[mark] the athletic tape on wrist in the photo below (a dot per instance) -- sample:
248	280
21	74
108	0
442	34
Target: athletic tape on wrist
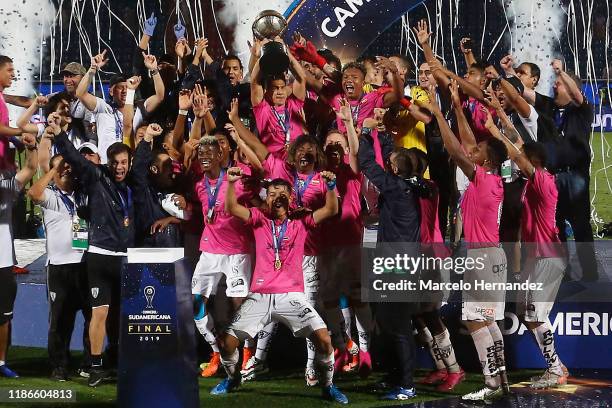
129	97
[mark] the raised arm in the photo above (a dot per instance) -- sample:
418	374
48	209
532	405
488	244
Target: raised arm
18	100
421	31
23	122
514	151
452	145
26	174
372	170
466	50
143	156
257	91
344	113
572	89
512	96
155	100
44	152
331	199
254	161
82	91
37	190
128	111
231	202
468	140
393	78
299	85
178	134
245	134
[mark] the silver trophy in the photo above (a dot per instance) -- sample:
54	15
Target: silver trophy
149	292
270	24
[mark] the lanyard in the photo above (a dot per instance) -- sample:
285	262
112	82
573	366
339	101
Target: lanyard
284	124
355	109
212	194
125	207
301	185
118	124
67	201
277	240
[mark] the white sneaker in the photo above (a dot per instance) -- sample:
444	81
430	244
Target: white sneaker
483	394
311	376
548	380
254	368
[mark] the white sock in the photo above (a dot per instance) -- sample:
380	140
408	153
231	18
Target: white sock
498	341
206	327
310	354
230	363
333	317
346	313
486	354
2	362
447	353
544	336
433	349
264	339
325	362
365	325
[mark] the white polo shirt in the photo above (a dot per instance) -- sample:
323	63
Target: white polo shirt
57	219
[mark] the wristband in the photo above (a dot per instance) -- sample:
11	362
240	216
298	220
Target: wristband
129	97
154	72
183	112
331	185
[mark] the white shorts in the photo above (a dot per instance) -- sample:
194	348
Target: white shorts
210	267
480	305
536	305
312	277
291	309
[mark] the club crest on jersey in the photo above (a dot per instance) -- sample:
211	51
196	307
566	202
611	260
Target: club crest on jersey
94	292
52	296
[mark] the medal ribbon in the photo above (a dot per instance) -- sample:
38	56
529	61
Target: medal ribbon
212	195
296	184
284	125
125	206
277	241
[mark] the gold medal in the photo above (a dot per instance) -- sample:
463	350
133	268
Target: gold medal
126	222
277	264
210	216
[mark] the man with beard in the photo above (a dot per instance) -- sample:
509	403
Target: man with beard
67	287
153	181
109	115
111	233
301	169
225	244
278	285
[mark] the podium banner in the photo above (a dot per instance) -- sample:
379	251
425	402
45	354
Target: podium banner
157	357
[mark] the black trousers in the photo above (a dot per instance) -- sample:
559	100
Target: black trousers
574	206
396	341
68	292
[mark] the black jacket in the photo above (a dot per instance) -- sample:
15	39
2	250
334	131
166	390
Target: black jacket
148	200
398	201
106	218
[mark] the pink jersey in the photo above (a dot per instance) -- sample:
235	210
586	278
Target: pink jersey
478	118
226	235
538	219
346	228
481	209
313	196
432	242
290	277
272	121
361	109
7	158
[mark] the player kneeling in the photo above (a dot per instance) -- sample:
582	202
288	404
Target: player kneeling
277	288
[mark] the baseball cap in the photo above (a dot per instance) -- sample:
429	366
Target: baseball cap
89	146
115	79
73	68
